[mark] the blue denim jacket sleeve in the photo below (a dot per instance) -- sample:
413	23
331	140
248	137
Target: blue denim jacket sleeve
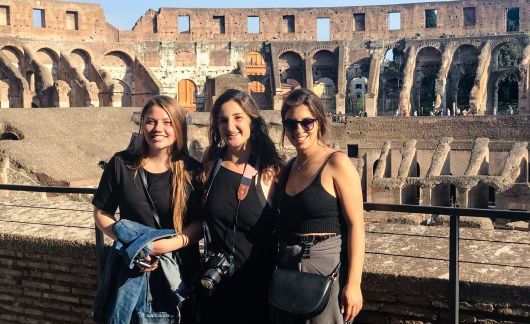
135	239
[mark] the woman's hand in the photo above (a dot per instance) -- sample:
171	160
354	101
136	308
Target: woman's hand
351	301
152	261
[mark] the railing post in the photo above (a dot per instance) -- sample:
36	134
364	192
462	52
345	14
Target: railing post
100	251
454	291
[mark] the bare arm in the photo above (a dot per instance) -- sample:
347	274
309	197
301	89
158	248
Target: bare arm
348	188
104	222
190	234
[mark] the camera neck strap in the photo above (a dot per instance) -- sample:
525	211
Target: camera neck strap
242	192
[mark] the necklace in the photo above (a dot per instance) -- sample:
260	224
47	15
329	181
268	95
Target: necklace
299	166
237	164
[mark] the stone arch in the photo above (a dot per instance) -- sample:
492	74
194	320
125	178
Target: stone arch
118	66
324	65
187	94
184	58
390	81
462	74
259	85
291	70
120	93
117	59
356	85
14	56
50	59
428	63
506	95
506	55
81	59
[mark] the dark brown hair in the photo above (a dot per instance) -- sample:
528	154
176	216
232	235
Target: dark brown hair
310	100
269	160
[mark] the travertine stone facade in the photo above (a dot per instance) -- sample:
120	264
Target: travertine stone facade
457	54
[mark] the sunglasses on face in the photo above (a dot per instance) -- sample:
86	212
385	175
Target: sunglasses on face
291	125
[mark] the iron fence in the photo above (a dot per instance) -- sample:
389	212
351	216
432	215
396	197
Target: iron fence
454	229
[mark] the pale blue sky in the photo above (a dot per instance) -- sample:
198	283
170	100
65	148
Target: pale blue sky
122	14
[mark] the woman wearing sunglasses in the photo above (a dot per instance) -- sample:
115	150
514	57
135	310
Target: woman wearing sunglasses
321	226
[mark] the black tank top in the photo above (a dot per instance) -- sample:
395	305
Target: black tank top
255	223
313	210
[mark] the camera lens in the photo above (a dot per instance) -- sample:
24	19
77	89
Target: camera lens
210	279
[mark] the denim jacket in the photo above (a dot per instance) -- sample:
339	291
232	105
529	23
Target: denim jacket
123	288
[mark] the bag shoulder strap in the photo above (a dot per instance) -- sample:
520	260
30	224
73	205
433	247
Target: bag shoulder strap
143	177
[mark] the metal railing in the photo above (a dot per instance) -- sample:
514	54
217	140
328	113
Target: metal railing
454	229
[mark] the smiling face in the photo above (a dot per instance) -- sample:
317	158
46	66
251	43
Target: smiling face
158	130
234	125
304	135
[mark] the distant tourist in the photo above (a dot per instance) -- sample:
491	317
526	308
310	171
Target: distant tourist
321	226
152	185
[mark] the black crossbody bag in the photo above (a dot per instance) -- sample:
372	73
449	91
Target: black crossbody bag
296	292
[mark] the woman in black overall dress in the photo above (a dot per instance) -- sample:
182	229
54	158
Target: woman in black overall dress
321	212
238	139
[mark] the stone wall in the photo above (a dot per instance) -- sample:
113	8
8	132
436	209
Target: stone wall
95	64
49	269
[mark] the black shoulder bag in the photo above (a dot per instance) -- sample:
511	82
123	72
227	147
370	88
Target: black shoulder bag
296	292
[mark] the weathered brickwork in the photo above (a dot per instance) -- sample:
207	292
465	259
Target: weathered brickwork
471	55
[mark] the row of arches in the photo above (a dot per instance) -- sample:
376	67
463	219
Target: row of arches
45	78
503	83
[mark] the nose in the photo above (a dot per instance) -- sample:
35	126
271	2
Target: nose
230	125
159	126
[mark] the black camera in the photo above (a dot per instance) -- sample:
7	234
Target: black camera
217	266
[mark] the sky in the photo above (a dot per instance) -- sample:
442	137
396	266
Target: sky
122	14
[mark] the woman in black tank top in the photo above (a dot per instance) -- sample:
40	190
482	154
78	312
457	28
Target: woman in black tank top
239	228
321	224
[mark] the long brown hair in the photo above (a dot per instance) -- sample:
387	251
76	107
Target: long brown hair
269	161
178	153
308	98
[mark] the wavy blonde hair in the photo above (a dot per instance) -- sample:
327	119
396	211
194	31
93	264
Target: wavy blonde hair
178	153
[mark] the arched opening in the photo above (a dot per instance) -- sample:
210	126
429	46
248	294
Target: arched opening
508	94
119	66
325	89
291	69
50	60
9	136
14	56
442	195
324	65
357	86
428	62
462	75
390	81
81	61
464	87
478	196
256	70
427	96
187	94
389	97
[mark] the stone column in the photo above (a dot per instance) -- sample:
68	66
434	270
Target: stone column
308	72
276	83
4	165
340	97
425	196
63	94
440	99
462	197
372	91
408	79
478	97
524	90
93	94
4	94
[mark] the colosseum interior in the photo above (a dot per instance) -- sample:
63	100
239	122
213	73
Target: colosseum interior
439	58
412	58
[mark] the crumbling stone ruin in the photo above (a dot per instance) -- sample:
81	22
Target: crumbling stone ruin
429	58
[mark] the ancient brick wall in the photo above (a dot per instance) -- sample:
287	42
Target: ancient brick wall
46	281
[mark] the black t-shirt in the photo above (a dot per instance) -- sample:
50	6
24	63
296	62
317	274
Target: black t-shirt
121	186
